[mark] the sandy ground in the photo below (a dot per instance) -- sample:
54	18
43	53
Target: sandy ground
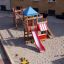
15	44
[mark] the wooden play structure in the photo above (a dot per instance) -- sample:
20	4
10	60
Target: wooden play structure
33	22
17	16
35	26
29	21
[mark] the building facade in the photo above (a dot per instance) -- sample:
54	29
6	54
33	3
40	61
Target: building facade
42	6
5	5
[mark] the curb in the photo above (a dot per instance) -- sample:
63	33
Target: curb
6	51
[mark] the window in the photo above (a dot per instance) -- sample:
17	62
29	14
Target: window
2	7
51	0
18	7
51	12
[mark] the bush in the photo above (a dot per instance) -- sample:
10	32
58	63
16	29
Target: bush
32	41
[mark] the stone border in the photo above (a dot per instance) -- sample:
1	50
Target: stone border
6	51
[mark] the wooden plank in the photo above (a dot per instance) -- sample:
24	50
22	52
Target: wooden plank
33	18
50	34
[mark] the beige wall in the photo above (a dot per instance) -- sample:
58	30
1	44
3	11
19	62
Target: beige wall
59	6
43	6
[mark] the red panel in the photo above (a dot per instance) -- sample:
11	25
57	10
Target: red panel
38	28
43	36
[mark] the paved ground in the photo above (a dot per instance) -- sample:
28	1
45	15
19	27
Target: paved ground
56	26
15	44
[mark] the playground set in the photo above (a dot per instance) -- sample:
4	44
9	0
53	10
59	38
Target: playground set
35	25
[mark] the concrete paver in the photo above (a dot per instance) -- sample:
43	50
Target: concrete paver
56	26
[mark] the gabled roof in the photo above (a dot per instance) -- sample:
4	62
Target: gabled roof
30	12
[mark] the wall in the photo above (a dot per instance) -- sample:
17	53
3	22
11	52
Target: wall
6	3
59	6
43	6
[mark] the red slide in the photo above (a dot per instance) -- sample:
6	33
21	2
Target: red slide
37	42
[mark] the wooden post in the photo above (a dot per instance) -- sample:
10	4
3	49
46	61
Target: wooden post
24	32
33	21
27	28
37	19
13	15
16	23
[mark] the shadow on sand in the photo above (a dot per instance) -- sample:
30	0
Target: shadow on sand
19	42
